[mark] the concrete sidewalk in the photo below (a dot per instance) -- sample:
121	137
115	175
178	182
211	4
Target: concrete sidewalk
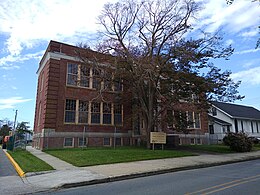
67	175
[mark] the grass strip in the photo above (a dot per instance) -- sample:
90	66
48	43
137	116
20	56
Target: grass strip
98	156
28	162
214	148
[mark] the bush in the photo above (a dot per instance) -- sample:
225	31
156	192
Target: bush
238	142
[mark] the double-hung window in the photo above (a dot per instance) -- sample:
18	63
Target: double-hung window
107	113
117	114
72	74
84	76
83	111
95	113
70	111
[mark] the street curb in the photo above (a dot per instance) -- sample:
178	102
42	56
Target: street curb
18	169
150	173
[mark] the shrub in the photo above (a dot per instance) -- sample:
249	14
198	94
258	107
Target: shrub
238	142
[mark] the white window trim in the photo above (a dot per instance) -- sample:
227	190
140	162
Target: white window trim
68	146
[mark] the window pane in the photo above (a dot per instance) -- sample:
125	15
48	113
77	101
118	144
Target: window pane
197	120
70	111
107	141
84	76
83	112
118	141
68	142
96	83
95	113
82	142
118	114
72	74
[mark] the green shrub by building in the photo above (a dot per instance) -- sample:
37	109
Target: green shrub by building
238	142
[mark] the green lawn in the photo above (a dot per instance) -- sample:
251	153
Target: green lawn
97	156
214	148
28	162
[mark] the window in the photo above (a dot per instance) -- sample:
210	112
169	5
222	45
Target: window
257	130
107	113
68	142
70	111
72	77
96	82
214	111
95	113
170	118
84	76
118	86
82	142
118	141
193	120
106	141
192	141
199	141
83	111
211	129
252	126
242	126
117	114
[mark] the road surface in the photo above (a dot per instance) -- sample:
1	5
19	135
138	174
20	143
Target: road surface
238	178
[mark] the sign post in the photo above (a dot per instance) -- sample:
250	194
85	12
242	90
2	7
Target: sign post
158	138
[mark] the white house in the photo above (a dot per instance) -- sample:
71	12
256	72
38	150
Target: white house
226	117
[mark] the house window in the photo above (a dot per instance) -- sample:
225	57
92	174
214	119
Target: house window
84	76
106	141
257	130
252	126
83	111
118	114
228	129
192	141
72	74
95	113
211	129
70	111
68	142
82	142
107	113
242	126
118	141
214	111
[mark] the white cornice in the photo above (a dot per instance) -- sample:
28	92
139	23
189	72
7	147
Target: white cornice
58	56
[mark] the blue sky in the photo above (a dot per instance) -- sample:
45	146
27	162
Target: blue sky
27	26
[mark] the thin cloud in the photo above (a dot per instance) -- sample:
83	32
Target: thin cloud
11	102
247	51
6	62
251	76
236	17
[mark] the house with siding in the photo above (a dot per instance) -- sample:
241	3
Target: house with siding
227	117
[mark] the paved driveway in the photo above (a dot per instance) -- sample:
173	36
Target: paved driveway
6	167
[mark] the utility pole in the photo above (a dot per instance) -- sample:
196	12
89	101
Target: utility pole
15	117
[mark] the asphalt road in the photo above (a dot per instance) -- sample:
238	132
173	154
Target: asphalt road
238	178
6	168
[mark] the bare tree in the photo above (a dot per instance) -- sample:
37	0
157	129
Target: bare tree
158	65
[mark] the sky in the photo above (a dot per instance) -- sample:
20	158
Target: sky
27	26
